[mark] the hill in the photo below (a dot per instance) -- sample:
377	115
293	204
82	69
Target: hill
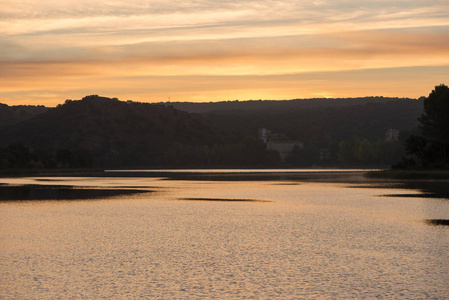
10	115
279	105
117	133
323	121
131	134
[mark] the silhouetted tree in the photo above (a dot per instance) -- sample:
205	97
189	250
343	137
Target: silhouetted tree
431	147
434	122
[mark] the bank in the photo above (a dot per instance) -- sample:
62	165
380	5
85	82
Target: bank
409	174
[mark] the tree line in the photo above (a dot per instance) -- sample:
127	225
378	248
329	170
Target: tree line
249	152
362	152
17	156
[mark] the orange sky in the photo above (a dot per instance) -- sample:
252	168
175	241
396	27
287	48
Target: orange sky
220	50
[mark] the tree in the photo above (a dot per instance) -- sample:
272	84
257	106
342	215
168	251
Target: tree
347	152
19	156
388	152
434	121
365	152
304	157
64	157
431	147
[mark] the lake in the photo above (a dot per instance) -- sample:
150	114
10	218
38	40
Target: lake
229	234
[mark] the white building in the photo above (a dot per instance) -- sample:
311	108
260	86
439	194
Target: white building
283	147
392	134
264	134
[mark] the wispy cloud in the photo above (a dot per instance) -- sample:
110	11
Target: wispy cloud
68	39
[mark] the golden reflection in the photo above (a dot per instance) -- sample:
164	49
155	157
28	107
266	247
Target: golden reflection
316	239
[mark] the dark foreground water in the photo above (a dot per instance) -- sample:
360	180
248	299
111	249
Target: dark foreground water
204	234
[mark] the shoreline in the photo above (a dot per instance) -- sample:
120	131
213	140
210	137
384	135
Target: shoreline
51	172
173	172
99	172
409	174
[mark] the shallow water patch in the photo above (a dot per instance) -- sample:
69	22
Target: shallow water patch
223	200
410	195
57	192
438	222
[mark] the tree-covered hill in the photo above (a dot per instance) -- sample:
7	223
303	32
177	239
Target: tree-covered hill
353	129
10	115
323	121
280	105
115	132
131	134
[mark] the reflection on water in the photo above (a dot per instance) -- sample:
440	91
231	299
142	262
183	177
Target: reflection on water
423	189
418	195
438	222
223	199
437	189
285	236
246	175
49	192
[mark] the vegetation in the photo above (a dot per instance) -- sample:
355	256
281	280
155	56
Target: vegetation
363	152
10	115
250	152
324	123
429	148
17	156
328	127
410	174
114	132
103	132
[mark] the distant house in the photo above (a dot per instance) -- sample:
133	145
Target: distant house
283	147
392	134
325	154
264	134
272	142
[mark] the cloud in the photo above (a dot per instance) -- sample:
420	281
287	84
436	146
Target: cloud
79	41
246	55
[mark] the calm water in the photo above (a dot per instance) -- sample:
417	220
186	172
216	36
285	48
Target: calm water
223	235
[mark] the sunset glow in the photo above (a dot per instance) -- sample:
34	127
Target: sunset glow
212	50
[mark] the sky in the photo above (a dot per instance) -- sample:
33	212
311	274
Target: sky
218	50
